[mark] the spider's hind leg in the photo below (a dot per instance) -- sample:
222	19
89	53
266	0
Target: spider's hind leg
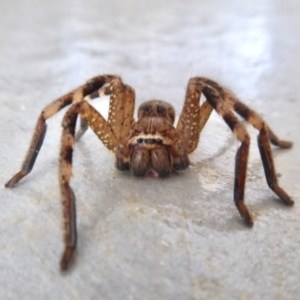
110	132
241	160
32	153
103	130
215	100
256	121
266	135
41	127
223	101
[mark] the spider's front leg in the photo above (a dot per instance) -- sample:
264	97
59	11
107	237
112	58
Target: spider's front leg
100	126
194	117
110	132
36	143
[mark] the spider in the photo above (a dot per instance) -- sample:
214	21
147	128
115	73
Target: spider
150	144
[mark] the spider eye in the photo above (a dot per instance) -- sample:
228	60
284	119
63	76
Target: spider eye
140	141
158	141
149	141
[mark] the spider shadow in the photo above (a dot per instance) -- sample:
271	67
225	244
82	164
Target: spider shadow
177	199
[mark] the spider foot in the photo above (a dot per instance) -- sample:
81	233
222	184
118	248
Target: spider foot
276	141
66	258
249	222
245	213
16	178
283	196
284	144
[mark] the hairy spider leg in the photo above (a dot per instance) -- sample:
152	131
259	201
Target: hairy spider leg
265	135
110	132
253	118
41	127
193	117
215	96
223	101
121	107
104	132
120	117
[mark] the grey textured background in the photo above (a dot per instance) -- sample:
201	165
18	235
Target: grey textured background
177	238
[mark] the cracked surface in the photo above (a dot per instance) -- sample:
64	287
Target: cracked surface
174	238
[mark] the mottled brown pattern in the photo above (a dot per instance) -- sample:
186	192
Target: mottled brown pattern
151	144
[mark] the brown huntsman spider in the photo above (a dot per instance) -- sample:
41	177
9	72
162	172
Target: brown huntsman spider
152	143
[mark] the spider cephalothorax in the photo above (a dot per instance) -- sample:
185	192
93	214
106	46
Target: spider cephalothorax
152	143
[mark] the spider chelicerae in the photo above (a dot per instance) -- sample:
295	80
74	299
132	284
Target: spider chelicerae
150	144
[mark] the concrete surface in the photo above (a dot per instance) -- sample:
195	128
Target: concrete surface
177	238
